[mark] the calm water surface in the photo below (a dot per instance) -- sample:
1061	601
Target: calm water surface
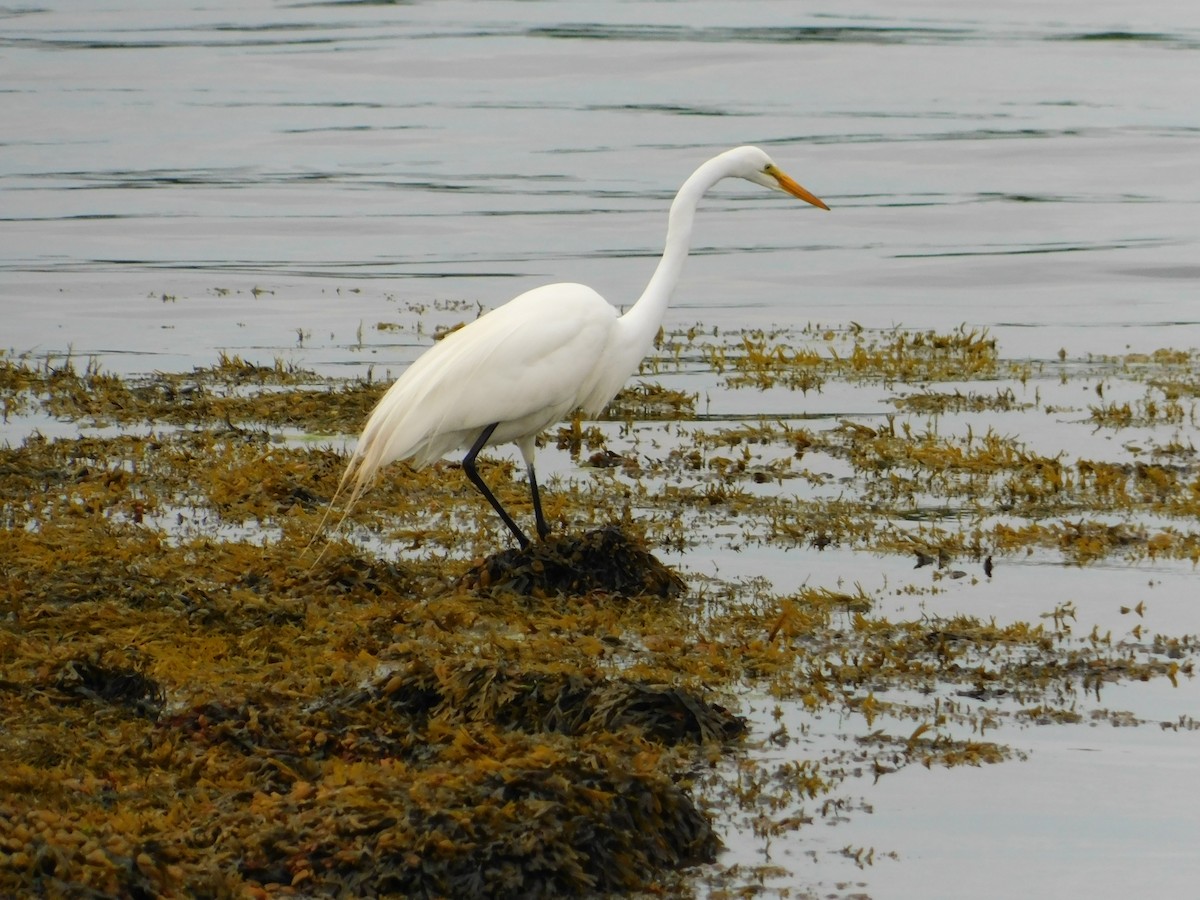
1033	165
181	179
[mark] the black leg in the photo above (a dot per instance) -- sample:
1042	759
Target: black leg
473	474
542	528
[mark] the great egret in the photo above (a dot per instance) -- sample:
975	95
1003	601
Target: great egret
525	365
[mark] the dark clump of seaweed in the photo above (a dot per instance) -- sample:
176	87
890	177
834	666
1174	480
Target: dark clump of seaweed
399	788
566	702
96	678
584	829
539	823
604	559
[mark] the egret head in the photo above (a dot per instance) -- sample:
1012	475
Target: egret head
754	165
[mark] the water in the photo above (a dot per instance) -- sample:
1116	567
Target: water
274	179
1031	165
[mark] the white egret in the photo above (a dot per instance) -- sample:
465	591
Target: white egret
525	365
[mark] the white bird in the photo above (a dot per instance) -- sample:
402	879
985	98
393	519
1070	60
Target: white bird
525	365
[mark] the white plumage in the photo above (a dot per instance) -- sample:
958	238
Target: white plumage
528	364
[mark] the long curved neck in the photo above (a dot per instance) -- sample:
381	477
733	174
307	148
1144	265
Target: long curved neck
642	321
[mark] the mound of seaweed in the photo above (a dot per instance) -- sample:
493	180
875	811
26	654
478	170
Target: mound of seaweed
604	559
460	781
533	701
538	823
97	678
486	815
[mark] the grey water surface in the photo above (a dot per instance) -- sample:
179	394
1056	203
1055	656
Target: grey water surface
1012	165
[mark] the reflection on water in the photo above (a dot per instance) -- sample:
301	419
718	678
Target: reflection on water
268	178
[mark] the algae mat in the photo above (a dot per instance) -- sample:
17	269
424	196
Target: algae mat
198	702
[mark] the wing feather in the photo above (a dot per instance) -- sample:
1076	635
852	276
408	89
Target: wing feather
525	364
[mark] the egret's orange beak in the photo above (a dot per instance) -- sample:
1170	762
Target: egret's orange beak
787	184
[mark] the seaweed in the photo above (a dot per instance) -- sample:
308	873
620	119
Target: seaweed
95	678
197	705
604	559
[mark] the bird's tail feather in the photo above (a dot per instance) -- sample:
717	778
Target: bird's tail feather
356	470
372	452
409	422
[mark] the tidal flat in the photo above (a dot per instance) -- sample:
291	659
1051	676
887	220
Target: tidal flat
752	615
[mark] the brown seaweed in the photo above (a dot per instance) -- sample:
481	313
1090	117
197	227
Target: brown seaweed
604	559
